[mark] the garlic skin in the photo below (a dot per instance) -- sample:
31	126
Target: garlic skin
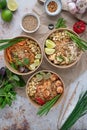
81	6
72	7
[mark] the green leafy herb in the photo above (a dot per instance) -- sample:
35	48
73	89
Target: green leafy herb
9	42
9	82
60	23
47	106
79	42
79	111
26	61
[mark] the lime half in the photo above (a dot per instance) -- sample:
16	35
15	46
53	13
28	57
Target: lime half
50	43
49	51
12	5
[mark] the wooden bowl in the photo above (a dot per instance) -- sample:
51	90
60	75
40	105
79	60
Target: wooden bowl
57	65
28	87
15	70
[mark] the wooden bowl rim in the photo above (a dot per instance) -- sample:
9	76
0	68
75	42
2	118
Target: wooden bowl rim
15	71
64	66
36	104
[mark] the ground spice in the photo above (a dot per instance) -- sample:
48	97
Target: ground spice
52	6
30	23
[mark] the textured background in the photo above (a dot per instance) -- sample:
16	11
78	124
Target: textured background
22	114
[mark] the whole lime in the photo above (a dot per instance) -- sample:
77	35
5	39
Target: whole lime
3	4
6	15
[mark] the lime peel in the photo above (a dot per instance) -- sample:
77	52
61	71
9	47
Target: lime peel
49	51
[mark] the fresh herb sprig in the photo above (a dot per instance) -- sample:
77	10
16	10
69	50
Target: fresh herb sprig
8	81
5	43
61	23
80	42
47	106
79	111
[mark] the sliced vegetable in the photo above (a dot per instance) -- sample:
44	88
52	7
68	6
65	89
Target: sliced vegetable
49	51
50	44
40	101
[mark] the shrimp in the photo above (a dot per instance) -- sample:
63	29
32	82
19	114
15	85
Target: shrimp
47	84
53	77
46	93
60	89
58	83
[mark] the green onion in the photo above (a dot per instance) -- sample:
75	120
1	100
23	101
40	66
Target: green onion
9	42
60	23
47	106
79	42
79	111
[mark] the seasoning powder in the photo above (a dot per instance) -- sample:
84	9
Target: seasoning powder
30	23
52	6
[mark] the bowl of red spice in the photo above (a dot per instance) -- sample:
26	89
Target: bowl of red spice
53	7
30	23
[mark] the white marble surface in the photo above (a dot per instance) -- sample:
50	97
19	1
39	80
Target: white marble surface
22	109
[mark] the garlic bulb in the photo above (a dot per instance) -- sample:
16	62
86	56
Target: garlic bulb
81	5
72	7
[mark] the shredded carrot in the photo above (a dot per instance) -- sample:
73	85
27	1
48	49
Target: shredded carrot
9	55
21	43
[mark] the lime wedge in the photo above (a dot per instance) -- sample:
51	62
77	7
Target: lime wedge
50	44
32	66
37	62
49	51
12	5
38	56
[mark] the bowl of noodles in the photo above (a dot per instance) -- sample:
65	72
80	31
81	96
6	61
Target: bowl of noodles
24	57
60	50
43	86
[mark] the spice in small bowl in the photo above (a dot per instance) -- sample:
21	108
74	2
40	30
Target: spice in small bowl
30	23
53	7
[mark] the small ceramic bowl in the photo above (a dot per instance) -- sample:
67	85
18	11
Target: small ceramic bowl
60	51
43	86
53	7
25	57
30	23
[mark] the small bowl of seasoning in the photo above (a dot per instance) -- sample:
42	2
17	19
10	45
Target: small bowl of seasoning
53	7
30	23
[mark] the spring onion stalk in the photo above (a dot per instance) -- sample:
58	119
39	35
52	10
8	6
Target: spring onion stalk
5	43
60	23
79	110
47	106
79	42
